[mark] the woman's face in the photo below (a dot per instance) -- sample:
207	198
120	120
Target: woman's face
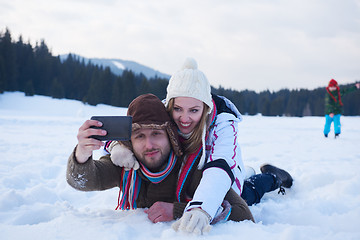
187	113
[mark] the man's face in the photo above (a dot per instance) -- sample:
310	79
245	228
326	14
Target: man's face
151	147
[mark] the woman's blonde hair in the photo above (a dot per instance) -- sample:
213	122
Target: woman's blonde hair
195	140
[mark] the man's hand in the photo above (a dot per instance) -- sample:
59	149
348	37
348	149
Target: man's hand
331	115
160	212
194	221
87	145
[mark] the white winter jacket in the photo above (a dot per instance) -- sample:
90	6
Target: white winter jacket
224	167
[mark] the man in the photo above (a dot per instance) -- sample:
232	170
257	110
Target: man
155	185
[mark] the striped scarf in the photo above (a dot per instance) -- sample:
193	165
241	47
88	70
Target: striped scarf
191	159
131	182
333	97
185	172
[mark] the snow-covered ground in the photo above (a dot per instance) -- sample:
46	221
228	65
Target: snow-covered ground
37	134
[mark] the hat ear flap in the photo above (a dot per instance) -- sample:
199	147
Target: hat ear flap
127	144
174	138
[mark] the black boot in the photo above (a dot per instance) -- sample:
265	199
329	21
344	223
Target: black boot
281	175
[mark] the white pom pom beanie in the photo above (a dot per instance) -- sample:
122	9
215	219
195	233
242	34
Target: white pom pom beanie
189	82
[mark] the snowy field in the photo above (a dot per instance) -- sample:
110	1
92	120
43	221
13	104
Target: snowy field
37	134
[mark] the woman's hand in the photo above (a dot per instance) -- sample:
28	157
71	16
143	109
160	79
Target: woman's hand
195	221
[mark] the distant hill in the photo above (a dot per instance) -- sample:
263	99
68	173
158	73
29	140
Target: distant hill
118	65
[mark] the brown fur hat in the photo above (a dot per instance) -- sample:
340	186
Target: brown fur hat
148	111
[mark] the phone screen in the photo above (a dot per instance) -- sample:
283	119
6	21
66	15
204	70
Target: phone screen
117	127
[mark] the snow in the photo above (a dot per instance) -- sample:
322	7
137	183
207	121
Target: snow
37	134
118	65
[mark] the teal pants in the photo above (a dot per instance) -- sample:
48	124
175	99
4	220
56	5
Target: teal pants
329	120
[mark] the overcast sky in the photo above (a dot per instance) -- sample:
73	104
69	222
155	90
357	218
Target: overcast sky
238	44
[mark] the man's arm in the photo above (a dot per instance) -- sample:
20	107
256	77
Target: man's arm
93	175
160	212
83	173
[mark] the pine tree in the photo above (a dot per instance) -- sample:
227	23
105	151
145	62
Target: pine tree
129	91
57	89
2	75
29	88
116	99
144	87
93	96
25	63
9	69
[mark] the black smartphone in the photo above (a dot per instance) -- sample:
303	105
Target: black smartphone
117	127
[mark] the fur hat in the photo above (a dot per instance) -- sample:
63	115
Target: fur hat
148	111
189	82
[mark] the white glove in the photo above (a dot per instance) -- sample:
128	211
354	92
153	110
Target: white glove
194	221
123	157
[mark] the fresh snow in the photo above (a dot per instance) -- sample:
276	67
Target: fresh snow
37	134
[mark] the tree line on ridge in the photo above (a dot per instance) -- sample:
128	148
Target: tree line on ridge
35	71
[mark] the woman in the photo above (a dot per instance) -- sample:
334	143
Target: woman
208	127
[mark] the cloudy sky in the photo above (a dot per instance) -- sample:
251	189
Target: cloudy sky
238	44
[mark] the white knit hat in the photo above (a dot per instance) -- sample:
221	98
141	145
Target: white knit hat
189	82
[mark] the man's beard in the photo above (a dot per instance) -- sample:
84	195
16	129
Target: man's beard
154	166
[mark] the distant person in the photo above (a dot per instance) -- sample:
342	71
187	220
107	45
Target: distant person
334	106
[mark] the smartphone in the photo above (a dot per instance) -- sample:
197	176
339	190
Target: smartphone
117	127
